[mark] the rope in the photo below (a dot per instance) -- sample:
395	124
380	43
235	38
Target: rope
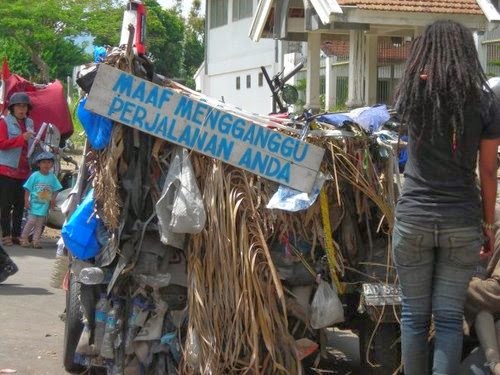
331	251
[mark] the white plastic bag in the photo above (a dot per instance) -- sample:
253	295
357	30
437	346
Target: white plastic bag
188	211
180	208
292	200
326	307
193	350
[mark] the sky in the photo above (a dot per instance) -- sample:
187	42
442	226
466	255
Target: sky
186	5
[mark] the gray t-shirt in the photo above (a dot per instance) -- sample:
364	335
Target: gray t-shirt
441	185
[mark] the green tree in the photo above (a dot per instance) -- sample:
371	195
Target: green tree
165	32
39	38
44	32
194	51
19	61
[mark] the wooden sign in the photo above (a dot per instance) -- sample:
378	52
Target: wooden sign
196	125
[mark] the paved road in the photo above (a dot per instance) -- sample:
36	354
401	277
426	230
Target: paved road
30	328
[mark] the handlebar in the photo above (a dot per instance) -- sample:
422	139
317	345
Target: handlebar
276	85
294	71
280	82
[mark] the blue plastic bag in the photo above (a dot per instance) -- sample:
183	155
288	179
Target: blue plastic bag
79	232
99	54
97	128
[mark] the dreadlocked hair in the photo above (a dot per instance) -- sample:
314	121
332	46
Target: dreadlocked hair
441	78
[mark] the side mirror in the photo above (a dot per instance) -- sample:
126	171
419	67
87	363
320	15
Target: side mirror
52	136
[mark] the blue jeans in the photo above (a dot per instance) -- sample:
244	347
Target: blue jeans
434	266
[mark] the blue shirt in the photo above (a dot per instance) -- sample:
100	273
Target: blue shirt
41	188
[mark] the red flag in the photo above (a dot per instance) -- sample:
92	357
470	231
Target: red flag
5	69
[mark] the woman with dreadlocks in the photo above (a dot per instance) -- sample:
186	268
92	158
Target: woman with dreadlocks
451	115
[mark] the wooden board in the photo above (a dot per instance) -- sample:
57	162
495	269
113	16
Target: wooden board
194	124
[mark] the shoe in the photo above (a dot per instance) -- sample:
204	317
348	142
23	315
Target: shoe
7	241
7	270
36	245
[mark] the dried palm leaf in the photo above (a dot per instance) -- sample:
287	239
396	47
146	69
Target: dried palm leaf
236	301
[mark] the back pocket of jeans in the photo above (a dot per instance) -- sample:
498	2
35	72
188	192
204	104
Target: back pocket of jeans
464	250
407	249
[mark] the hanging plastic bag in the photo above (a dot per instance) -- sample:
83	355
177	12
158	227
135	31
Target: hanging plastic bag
97	128
79	232
180	208
292	200
193	349
188	211
326	307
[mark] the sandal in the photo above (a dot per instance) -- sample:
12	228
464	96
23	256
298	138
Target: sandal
16	241
36	245
7	241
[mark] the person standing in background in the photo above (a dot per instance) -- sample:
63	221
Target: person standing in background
16	133
40	196
441	220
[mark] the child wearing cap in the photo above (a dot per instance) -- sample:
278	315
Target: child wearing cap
40	194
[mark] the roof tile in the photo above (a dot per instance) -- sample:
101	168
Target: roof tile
426	6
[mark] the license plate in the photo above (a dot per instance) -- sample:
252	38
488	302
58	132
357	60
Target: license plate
379	294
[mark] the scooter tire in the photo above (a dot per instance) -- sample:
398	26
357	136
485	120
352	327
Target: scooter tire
73	326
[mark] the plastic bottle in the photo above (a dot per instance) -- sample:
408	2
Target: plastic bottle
133	324
113	327
101	314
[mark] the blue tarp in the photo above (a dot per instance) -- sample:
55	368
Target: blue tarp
370	119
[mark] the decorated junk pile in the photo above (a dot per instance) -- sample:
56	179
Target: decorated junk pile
205	239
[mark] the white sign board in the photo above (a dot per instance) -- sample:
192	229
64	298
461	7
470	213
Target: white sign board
198	126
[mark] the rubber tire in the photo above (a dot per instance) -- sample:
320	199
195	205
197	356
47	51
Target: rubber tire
73	326
385	347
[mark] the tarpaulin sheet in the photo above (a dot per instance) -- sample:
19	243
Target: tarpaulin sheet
49	103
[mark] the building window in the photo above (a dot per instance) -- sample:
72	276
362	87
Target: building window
261	79
242	9
238	83
218	13
249	81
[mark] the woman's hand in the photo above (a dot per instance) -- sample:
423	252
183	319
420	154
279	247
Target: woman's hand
489	244
27	135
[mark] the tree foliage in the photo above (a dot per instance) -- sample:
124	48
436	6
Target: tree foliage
194	51
165	32
176	45
42	39
44	33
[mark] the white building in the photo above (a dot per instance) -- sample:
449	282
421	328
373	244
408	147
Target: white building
243	35
231	71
